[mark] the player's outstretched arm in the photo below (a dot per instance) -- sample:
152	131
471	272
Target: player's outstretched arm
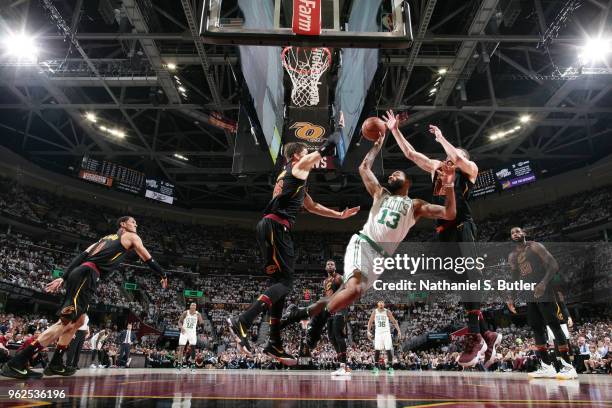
313	207
422	161
145	256
449	210
365	169
464	164
303	167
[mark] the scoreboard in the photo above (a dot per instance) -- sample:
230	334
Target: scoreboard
122	178
504	178
112	175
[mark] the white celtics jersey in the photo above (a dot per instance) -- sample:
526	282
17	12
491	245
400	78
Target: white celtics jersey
390	219
381	321
190	323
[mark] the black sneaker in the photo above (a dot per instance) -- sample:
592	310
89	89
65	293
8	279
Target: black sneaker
19	373
240	334
293	314
59	370
278	352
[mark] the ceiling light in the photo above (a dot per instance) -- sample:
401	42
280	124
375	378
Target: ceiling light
21	46
103	128
525	118
442	71
594	50
433	90
91	117
180	156
171	66
182	89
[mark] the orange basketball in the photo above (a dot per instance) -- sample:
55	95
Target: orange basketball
373	128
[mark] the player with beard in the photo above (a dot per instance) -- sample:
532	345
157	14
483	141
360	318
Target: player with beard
81	278
392	215
462	230
276	243
336	323
531	262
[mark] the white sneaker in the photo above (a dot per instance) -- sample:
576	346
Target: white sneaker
101	366
567	372
342	371
93	366
127	364
545	371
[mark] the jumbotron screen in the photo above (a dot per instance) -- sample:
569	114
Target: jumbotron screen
504	178
160	190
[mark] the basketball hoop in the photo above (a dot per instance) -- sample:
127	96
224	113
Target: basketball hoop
305	67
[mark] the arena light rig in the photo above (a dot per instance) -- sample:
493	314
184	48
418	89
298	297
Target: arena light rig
20	48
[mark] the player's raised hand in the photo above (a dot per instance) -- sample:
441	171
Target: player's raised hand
391	121
349	212
511	307
380	141
434	130
164	282
447	172
54	286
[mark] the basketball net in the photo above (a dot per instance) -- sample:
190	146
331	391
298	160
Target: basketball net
305	67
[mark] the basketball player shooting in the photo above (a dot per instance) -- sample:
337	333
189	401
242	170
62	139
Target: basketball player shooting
81	278
392	215
381	318
276	244
531	262
188	322
480	341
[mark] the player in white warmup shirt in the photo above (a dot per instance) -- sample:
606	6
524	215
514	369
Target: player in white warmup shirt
392	215
382	320
189	321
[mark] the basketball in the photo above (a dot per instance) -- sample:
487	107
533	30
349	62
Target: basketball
373	128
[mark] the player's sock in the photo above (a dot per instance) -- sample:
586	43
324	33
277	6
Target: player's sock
57	359
262	303
389	358
474	316
275	334
541	351
562	351
376	358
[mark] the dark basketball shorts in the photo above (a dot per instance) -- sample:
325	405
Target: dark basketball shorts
542	314
80	288
276	246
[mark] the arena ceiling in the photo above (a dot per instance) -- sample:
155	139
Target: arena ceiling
504	59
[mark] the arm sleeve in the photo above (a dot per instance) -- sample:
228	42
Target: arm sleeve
154	266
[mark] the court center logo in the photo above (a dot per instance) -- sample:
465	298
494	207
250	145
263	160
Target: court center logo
309	131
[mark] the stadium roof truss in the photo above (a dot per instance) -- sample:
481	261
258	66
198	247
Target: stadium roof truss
490	62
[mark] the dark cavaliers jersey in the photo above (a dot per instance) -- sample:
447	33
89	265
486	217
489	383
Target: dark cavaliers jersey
463	190
330	284
528	265
288	196
107	253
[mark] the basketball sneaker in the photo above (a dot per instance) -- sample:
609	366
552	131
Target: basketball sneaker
391	371
567	371
277	352
375	371
545	371
59	370
493	340
473	348
342	371
240	334
19	373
